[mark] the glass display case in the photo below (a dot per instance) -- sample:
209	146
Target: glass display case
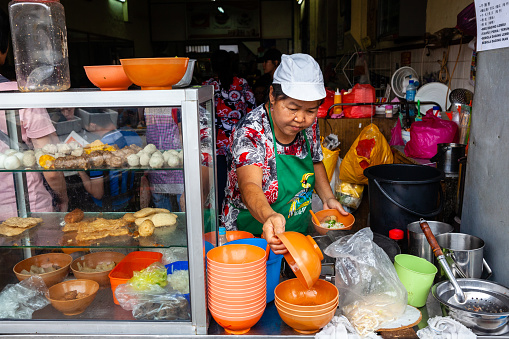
180	122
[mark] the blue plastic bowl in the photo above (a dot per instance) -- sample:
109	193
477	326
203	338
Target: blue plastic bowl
178	266
260	242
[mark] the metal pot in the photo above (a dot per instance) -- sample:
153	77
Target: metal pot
447	157
417	243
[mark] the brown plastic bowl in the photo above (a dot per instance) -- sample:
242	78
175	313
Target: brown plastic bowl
304	257
56	294
155	73
306	324
92	260
291	294
108	77
45	260
347	220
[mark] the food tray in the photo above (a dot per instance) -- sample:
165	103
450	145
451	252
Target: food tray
88	114
66	127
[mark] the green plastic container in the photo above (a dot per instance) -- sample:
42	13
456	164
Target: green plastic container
417	275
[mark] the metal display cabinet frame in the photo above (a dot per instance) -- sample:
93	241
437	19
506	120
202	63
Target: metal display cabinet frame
189	100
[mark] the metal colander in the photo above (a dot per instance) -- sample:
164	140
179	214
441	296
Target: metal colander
460	96
486	308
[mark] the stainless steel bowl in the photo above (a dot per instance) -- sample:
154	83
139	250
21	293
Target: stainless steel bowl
486	310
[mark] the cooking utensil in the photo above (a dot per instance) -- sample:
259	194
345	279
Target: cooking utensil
460	96
313	215
481	305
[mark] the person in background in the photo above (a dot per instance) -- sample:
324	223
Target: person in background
164	131
36	130
271	60
277	157
233	99
121	183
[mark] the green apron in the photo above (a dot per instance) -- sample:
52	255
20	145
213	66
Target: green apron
296	181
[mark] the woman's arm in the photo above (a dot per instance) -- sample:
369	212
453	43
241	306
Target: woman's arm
93	186
250	185
56	180
322	187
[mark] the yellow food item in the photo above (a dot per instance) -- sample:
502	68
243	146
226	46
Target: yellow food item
46	161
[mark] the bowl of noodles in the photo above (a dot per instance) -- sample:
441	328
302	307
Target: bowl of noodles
331	219
96	266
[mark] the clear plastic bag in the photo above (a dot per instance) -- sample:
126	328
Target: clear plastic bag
366	278
19	301
150	299
349	195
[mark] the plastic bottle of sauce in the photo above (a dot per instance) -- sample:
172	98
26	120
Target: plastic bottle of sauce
337	100
399	236
388	111
222	236
39	41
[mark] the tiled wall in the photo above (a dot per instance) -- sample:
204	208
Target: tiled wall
429	66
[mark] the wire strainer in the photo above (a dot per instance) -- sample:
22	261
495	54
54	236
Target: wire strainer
460	96
481	305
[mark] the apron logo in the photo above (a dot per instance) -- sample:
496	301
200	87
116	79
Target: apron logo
302	199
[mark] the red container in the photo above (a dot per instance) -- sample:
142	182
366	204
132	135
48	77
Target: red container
134	261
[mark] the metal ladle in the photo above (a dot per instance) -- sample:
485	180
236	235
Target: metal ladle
458	292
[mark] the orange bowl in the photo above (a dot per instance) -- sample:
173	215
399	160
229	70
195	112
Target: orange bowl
304	257
235	303
236	325
230	236
231	271
57	292
155	73
346	220
236	256
291	294
248	289
91	261
62	260
236	296
226	308
306	313
108	77
227	283
306	324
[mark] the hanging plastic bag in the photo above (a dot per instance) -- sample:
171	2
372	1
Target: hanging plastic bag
396	137
425	135
349	195
359	94
369	149
367	281
330	150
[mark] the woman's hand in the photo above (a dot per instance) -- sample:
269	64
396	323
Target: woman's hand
275	224
332	203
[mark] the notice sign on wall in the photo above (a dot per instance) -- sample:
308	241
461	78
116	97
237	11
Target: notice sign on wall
492	24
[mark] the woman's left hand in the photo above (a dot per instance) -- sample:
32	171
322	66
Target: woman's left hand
332	203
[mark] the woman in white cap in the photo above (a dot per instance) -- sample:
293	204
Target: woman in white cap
277	158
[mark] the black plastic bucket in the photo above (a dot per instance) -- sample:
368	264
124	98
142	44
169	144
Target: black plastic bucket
400	194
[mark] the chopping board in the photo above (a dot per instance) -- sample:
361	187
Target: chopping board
402	327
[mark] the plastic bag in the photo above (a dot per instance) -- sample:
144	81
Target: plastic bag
396	137
367	281
360	93
349	195
369	149
425	135
19	301
330	156
327	103
150	299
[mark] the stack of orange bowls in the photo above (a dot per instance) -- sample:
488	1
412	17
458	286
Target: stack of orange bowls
236	281
306	310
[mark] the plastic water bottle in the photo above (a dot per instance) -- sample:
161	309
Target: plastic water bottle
222	236
410	96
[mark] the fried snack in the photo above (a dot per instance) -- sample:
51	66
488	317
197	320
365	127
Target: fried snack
139	221
22	222
74	226
75	215
129	217
163	219
148	211
102	234
11	231
146	228
101	224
